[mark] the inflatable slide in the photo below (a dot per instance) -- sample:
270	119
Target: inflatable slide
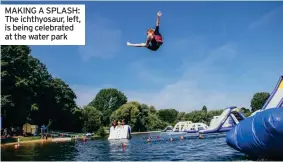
120	132
225	122
276	97
261	134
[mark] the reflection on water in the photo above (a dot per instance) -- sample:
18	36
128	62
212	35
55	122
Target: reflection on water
40	151
192	148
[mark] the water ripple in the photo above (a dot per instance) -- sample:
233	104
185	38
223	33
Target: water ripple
161	149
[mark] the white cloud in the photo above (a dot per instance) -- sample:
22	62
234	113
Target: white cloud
102	39
267	18
199	85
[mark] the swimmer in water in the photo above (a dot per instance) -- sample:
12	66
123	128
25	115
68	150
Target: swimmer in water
154	39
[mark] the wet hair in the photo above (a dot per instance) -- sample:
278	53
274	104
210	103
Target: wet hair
149	31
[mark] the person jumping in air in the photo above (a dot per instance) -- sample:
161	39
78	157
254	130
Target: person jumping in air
154	39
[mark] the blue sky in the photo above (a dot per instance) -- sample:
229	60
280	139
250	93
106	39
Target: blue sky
216	54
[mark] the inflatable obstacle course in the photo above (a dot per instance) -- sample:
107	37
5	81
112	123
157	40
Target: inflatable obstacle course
230	117
276	97
261	134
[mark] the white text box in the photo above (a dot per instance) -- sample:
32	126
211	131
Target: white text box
42	24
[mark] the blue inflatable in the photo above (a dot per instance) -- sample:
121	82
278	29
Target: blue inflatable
260	135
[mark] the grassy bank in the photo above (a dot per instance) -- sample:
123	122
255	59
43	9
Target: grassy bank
14	140
22	139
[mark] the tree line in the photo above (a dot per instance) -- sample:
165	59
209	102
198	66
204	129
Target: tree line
31	94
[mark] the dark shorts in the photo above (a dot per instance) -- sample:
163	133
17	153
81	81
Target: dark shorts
154	45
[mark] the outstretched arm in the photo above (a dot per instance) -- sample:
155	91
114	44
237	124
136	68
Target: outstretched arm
158	18
157	23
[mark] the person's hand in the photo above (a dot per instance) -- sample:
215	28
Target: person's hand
159	13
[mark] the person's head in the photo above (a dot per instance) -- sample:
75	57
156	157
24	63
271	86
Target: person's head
123	122
114	122
119	122
150	31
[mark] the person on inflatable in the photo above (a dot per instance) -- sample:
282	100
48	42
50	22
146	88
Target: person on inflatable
154	39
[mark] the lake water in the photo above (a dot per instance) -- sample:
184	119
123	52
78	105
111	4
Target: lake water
161	148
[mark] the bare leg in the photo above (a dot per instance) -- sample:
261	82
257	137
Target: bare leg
136	45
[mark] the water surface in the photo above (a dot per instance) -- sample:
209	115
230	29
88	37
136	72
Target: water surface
161	148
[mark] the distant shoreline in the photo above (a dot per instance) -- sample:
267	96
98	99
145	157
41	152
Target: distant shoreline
61	139
145	132
37	141
27	141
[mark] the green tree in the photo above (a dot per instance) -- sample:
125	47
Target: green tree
180	117
129	112
204	108
107	101
64	103
101	132
78	120
154	123
152	110
202	116
57	97
258	100
142	119
31	94
205	117
196	116
22	78
168	115
246	111
92	119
